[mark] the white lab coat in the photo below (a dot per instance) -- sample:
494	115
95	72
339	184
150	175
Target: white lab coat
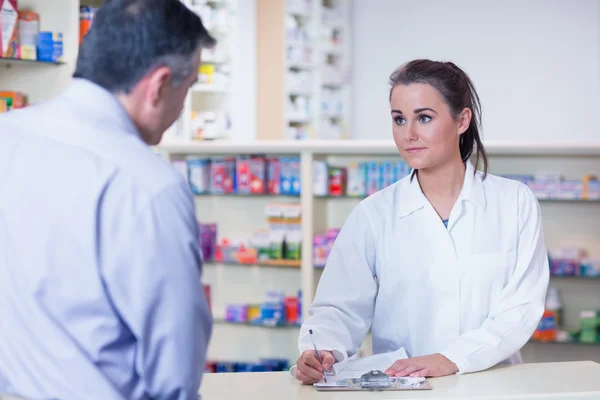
473	292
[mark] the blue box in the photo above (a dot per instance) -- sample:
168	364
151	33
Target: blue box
50	46
289	176
386	174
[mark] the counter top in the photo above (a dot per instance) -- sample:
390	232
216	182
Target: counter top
556	381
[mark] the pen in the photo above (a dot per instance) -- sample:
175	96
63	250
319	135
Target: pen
317	353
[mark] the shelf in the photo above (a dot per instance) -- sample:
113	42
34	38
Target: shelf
249	324
246	195
270	263
581	278
374	147
10	61
565	343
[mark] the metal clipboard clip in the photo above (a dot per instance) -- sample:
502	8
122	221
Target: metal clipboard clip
378	381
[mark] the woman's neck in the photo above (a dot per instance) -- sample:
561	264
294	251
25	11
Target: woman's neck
442	185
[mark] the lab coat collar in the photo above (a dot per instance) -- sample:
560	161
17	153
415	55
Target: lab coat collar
413	198
103	103
473	189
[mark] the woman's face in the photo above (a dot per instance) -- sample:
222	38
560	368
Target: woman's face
425	132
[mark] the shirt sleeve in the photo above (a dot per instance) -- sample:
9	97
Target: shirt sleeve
515	316
152	274
342	311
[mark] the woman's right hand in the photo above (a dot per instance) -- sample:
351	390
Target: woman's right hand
309	369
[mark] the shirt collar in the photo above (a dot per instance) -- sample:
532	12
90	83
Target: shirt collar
413	198
102	103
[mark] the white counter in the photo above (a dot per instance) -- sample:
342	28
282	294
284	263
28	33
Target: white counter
555	381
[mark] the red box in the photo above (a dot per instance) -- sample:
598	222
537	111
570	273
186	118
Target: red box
337	181
291	309
222	175
273	175
251	174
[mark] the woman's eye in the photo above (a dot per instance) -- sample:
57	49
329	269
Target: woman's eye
424	118
399	121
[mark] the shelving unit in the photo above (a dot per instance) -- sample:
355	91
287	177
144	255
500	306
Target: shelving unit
572	159
304	89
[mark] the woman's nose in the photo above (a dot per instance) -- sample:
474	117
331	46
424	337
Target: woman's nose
410	134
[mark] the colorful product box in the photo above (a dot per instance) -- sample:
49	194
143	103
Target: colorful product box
199	175
319	250
14	100
208	241
590	188
29	27
273	175
590	268
272	309
337	181
386	174
222	175
570	189
50	46
251	174
372	182
357	177
320	187
9	17
290	176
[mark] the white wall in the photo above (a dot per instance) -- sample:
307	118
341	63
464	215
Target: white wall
244	66
535	63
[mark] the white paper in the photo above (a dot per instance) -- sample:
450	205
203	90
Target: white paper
355	367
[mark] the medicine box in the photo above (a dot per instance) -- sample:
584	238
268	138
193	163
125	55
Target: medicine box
357	177
386	174
50	46
222	175
372	181
273	175
199	171
251	174
320	178
29	27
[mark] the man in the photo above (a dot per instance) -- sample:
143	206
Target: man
100	292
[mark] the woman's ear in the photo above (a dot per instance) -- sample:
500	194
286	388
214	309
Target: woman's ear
464	120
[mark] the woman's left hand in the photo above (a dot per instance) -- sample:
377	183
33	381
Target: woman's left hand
433	365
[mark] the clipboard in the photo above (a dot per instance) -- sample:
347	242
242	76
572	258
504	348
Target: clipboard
373	381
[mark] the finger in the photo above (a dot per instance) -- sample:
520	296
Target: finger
310	360
309	371
305	379
424	373
408	370
328	359
397	366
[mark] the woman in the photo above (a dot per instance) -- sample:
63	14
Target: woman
448	263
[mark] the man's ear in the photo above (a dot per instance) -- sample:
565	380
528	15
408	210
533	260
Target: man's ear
158	82
464	120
